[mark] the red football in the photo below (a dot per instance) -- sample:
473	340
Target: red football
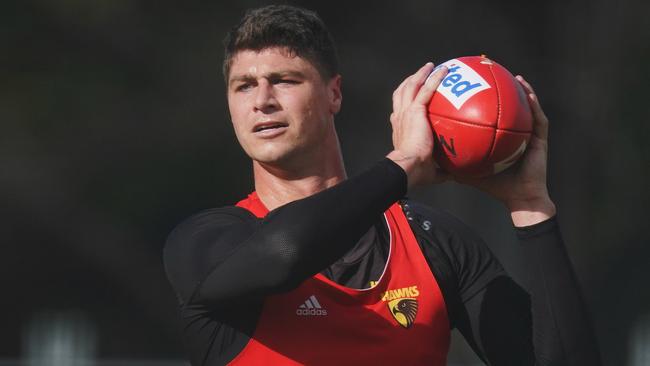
480	116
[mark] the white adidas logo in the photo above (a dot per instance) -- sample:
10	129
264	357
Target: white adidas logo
311	307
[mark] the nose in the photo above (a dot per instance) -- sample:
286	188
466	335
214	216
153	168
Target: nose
265	100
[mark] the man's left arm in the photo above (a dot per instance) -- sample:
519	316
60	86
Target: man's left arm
562	332
538	320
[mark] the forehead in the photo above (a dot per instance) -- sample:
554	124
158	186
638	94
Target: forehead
267	61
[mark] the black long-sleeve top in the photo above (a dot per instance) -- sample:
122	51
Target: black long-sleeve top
222	263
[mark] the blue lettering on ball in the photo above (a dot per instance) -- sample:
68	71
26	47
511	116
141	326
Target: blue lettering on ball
452	68
455	80
451	80
463	87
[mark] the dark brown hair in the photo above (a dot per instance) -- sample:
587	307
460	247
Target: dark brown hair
298	30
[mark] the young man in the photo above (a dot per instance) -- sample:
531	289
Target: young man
317	268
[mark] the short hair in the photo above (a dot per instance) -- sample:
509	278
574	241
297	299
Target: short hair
298	30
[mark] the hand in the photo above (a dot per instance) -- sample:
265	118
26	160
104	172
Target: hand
522	187
413	139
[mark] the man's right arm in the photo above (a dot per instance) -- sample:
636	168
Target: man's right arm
225	254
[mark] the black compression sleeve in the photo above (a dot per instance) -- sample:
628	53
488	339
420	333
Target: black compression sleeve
506	324
496	322
562	331
545	324
291	244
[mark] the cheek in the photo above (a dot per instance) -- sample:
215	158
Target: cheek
237	115
239	129
319	113
313	109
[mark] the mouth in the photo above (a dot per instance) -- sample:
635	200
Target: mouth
269	126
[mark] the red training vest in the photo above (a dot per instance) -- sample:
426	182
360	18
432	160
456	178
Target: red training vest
402	318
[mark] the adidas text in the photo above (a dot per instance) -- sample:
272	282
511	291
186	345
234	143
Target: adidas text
311	307
304	312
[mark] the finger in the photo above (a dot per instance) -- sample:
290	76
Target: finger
397	97
415	82
426	92
527	87
540	125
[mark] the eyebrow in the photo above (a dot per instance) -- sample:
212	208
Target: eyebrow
272	75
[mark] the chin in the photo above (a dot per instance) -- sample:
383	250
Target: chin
271	157
279	158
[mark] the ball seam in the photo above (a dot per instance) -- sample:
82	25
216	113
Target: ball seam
488	157
456	119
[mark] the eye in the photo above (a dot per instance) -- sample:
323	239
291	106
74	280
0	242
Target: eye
286	81
243	87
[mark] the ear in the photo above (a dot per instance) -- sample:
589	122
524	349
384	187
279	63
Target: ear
334	94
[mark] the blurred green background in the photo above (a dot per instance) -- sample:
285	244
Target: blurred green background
115	127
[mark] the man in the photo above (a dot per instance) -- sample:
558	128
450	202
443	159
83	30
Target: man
317	268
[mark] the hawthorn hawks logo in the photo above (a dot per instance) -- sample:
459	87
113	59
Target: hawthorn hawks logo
404	311
403	304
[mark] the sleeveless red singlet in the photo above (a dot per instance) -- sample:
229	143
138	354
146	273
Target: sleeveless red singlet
401	319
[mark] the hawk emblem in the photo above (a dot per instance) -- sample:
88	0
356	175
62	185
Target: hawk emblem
404	311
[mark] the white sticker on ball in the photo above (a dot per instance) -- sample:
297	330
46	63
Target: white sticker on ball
461	83
507	162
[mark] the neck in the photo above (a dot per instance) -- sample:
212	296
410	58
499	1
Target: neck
277	184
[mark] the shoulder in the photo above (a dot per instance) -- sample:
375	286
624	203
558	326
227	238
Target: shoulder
437	222
466	254
218	216
198	242
211	222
